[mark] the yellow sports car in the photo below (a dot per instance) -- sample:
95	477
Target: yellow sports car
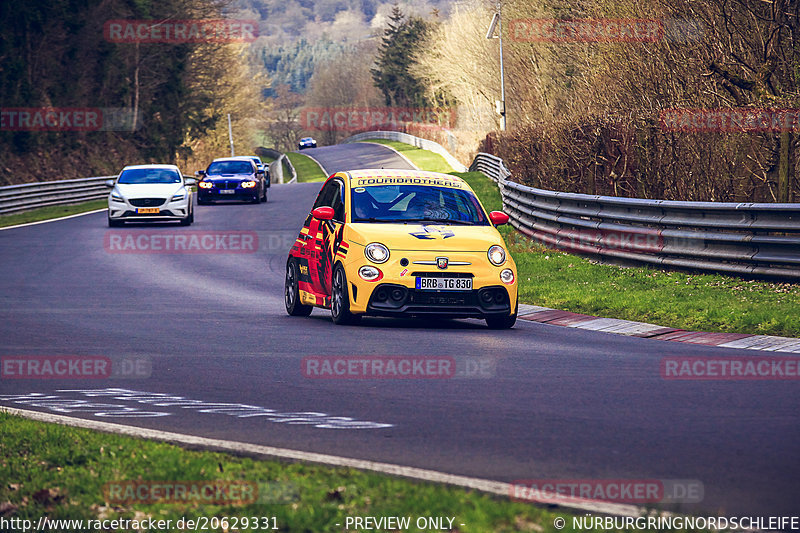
399	242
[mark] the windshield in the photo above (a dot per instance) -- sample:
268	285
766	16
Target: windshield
230	167
416	203
149	175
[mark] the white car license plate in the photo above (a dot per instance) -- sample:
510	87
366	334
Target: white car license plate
444	284
227	191
146	210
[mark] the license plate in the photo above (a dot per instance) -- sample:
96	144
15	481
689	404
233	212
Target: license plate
444	284
145	210
227	191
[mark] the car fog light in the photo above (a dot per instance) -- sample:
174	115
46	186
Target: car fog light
370	273
507	276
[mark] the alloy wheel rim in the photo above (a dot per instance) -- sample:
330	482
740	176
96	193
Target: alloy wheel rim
290	286
337	293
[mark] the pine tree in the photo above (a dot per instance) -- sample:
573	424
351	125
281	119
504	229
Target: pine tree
392	73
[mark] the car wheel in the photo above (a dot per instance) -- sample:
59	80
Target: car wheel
291	296
264	198
114	223
340	299
502	321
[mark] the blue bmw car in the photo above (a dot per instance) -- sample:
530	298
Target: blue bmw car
231	178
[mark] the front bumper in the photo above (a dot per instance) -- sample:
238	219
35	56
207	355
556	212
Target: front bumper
391	299
217	194
401	271
124	211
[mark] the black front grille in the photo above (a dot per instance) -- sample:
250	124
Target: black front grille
227	185
433	298
147	202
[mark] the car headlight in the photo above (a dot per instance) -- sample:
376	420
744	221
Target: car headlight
376	252
117	198
248	184
178	197
507	276
205	184
497	256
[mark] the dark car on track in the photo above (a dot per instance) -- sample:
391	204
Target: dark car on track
232	178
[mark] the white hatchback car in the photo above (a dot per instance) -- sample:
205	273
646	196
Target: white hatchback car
143	193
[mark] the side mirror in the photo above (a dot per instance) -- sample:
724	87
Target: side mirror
110	183
200	173
323	213
190	181
498	218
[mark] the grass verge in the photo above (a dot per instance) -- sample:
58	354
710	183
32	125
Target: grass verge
60	472
307	169
423	159
53	211
686	300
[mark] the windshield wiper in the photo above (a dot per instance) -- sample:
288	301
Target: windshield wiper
444	221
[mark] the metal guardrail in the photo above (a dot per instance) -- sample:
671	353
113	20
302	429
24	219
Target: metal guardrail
15	198
419	142
278	167
740	238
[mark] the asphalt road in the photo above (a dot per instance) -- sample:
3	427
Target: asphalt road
557	403
356	155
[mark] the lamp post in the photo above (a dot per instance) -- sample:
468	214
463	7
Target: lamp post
497	24
230	133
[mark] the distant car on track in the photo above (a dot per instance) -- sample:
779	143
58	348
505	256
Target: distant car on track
145	193
231	178
399	242
261	166
307	142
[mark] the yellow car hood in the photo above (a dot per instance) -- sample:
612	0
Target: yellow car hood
426	237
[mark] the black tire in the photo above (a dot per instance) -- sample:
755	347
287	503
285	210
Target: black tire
114	223
502	321
340	299
291	292
264	198
189	218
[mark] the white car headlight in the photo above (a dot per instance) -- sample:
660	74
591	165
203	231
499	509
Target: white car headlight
376	252
497	256
178	197
117	197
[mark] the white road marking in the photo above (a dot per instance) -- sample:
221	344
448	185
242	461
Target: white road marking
54	219
254	450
